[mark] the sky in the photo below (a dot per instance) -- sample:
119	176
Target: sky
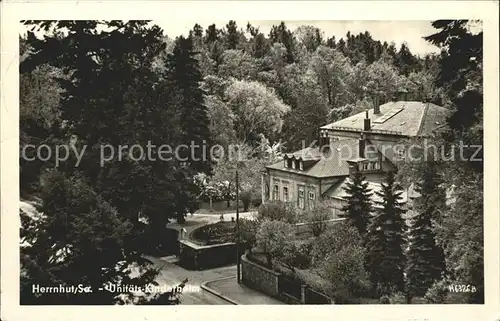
410	32
402	31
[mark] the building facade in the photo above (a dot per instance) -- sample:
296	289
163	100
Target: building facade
370	141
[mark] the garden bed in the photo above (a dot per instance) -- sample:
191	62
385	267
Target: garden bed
217	233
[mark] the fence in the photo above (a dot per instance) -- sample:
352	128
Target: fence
306	227
313	297
290	288
276	284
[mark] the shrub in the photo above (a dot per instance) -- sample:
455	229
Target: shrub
246	199
248	232
317	218
313	280
338	256
397	298
302	256
438	292
279	211
276	239
332	240
345	273
257	201
384	299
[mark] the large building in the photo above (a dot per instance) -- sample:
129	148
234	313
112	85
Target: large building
369	141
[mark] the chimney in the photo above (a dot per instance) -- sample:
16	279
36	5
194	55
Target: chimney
376	104
353	166
367	123
362	146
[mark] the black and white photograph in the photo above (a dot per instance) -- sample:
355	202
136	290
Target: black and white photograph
233	161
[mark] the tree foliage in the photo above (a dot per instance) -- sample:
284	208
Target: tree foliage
279	211
358	209
460	229
276	240
386	240
317	218
338	256
258	109
425	257
95	83
65	247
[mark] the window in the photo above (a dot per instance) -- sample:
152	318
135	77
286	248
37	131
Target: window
293	164
286	163
300	198
276	193
311	200
285	194
376	165
400	153
300	166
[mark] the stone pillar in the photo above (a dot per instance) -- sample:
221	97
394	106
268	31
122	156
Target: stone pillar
277	284
303	293
263	187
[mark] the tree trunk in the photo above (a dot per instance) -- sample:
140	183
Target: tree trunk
246	204
269	260
180	218
211	209
408	298
228	201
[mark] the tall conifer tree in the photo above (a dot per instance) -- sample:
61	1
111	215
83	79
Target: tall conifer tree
386	259
232	35
425	258
186	79
358	208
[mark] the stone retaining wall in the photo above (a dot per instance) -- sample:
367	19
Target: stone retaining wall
259	278
262	279
199	257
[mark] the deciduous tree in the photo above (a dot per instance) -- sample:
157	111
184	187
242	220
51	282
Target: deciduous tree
257	108
276	240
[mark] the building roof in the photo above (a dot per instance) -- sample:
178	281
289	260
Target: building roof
406	118
331	164
308	153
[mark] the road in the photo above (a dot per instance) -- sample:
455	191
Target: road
172	274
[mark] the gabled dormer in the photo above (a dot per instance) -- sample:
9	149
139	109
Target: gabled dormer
291	162
300	162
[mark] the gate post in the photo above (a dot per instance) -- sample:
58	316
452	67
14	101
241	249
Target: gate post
303	293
